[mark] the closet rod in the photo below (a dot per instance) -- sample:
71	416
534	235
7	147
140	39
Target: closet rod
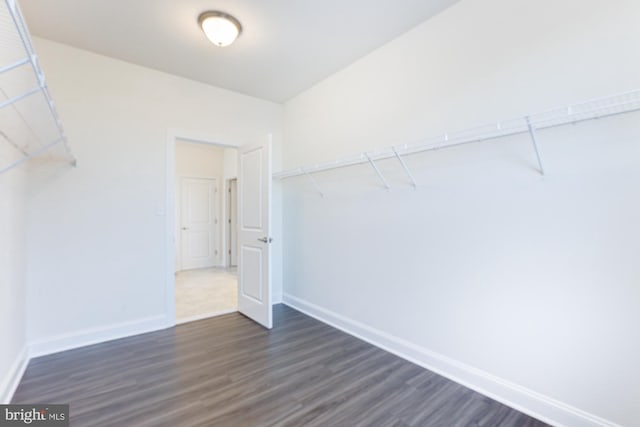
590	110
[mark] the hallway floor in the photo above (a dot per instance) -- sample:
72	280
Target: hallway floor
205	293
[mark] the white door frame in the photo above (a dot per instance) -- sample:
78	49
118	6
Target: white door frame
169	211
227	218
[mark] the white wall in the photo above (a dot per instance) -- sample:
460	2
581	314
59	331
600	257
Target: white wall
16	132
196	160
200	160
230	162
489	272
97	234
12	268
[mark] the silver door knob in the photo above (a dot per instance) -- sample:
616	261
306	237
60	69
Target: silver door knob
185	228
266	240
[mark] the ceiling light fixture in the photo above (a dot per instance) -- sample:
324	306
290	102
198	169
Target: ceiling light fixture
220	28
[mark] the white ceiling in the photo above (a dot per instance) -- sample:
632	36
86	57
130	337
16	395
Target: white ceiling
286	45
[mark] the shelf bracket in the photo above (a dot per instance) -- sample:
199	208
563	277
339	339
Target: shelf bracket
15	99
534	141
313	181
14	65
34	154
406	169
375	168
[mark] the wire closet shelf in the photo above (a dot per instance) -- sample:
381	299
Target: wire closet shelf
29	123
590	110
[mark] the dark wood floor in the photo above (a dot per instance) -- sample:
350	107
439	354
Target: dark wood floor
228	371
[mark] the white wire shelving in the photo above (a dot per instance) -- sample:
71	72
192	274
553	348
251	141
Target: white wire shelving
590	110
29	122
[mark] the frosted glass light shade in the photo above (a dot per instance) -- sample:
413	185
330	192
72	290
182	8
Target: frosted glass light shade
221	29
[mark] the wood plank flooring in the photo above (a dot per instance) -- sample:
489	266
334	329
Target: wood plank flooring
229	371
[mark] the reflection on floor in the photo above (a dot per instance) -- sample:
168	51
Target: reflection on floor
205	293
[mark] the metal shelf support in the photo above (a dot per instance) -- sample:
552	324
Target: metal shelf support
313	181
532	133
406	169
32	155
594	109
14	65
17	98
12	11
375	168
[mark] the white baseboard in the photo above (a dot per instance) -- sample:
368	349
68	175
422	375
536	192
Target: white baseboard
10	382
518	397
97	335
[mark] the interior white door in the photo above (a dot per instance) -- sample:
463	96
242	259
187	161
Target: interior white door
198	223
254	212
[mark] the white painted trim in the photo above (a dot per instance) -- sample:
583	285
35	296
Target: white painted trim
170	224
226	215
12	379
200	138
97	335
516	396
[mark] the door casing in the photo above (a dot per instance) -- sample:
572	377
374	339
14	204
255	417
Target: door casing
231	222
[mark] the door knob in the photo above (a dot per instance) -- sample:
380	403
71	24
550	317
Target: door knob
266	240
185	228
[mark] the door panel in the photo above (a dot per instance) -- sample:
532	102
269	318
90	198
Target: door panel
252	259
252	198
254	204
198	244
198	223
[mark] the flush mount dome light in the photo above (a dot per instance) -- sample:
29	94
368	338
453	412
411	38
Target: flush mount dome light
220	28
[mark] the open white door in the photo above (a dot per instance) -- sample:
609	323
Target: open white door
254	216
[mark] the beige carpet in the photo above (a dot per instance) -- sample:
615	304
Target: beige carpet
205	293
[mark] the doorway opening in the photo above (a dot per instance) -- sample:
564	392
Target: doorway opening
250	164
206	281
